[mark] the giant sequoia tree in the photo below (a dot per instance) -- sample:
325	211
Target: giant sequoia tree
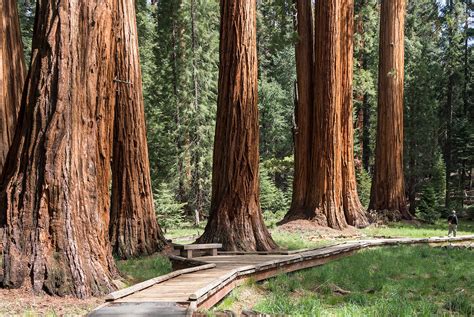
388	190
304	104
235	218
55	189
12	74
134	230
331	197
354	212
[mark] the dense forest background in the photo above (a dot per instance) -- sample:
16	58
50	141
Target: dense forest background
179	50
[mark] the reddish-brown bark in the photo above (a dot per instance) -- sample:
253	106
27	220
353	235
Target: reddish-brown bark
55	190
388	192
134	230
331	197
235	217
353	209
304	105
326	191
12	74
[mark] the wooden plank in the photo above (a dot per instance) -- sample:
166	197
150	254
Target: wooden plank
216	283
146	284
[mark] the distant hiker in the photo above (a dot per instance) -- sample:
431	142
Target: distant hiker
453	224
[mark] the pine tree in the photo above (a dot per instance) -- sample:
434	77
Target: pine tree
458	130
422	103
182	109
366	30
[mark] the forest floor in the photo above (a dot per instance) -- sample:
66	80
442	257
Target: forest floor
19	302
451	272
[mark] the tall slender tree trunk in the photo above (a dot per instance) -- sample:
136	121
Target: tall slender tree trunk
180	139
12	74
449	137
134	230
197	190
326	197
359	29
388	189
355	213
235	218
366	150
55	189
304	105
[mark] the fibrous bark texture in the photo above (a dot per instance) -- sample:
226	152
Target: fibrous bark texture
331	197
55	189
235	218
134	230
304	104
388	193
326	191
12	74
353	209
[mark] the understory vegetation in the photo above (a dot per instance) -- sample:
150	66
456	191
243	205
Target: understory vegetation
144	268
397	281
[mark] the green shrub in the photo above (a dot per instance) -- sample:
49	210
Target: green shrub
273	201
470	212
169	211
427	209
438	179
364	183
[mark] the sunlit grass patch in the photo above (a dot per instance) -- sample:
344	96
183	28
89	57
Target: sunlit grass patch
401	229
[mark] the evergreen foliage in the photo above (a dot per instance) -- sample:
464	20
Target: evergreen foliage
179	52
427	208
169	211
26	11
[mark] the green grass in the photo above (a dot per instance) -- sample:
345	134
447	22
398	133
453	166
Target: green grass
401	229
397	281
307	239
184	231
297	241
144	268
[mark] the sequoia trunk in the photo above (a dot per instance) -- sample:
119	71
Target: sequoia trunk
304	105
388	193
134	230
55	189
326	162
326	198
12	74
235	217
355	213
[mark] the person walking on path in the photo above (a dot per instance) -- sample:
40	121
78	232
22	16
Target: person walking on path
453	224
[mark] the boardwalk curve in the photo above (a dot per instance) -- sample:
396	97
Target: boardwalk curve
182	292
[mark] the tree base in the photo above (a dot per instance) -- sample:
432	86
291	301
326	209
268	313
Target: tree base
252	236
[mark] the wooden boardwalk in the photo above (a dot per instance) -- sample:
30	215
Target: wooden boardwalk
182	292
